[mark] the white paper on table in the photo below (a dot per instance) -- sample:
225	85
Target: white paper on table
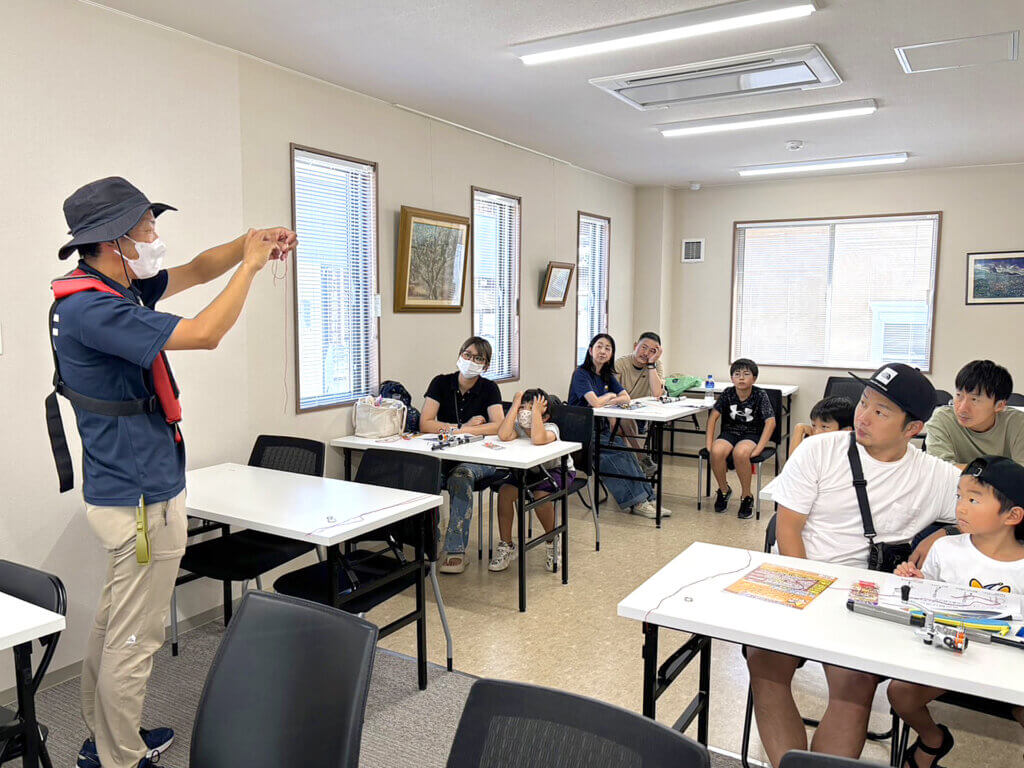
941	597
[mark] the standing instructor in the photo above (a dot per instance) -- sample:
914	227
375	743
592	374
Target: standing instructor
108	344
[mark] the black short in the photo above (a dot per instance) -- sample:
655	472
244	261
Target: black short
732	438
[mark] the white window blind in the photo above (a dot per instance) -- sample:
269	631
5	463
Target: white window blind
496	280
842	293
591	281
335	279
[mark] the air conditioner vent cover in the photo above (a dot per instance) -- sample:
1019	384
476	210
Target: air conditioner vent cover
692	250
799	67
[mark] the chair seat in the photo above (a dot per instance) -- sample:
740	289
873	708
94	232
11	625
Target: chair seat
241	556
13	746
494	482
310	583
762	457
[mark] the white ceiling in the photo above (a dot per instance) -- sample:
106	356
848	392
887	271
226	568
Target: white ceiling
450	58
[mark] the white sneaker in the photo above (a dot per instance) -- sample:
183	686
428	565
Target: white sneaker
504	554
647	509
554	556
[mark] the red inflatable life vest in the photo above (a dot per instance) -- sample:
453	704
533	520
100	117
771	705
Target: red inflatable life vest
165	389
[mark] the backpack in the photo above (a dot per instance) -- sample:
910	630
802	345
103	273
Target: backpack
396	391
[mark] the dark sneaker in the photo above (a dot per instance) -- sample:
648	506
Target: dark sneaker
157	741
746	508
722	499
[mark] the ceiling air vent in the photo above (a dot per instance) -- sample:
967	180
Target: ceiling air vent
800	67
693	251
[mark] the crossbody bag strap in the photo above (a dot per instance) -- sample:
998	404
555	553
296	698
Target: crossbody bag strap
860	485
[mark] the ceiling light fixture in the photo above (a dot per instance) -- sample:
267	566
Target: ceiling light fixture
830	164
765	119
677	26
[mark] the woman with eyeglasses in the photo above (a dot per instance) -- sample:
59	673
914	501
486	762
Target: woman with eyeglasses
594	386
463	402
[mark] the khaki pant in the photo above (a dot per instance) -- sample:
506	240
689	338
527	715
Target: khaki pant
129	625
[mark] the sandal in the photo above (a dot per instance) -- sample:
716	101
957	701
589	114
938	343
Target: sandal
453	563
910	758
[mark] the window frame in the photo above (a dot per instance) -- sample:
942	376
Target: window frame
519	280
292	147
935	290
607	279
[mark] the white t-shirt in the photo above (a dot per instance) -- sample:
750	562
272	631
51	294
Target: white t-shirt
905	496
955	560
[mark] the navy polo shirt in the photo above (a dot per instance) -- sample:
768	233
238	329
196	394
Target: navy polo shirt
584	381
105	347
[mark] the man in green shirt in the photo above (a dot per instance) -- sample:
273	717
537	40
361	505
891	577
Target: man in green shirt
641	374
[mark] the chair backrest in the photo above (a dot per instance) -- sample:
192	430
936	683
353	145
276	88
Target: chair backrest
288	687
942	397
40	589
770	534
800	759
1015	400
507	723
288	454
408	472
775	398
844	386
576	425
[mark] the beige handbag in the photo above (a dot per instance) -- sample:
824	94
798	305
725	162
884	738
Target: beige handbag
378	417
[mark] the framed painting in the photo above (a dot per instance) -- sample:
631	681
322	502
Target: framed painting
555	290
995	278
431	269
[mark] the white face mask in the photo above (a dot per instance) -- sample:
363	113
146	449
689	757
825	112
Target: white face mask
468	368
151	258
526	419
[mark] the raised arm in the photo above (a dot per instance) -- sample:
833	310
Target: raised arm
214	262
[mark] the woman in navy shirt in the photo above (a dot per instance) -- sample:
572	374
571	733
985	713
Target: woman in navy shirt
594	386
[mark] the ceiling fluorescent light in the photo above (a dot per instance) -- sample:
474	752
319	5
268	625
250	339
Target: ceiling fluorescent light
831	164
765	119
677	26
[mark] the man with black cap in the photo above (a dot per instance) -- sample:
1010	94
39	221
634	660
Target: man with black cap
819	518
108	343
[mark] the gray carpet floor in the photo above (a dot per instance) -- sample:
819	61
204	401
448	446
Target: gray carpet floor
404	726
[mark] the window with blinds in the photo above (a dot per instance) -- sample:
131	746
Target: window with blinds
592	241
841	293
496	280
336	324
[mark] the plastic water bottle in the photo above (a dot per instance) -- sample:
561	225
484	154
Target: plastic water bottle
709	390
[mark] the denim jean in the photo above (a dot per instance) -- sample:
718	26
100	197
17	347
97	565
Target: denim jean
626	492
460	493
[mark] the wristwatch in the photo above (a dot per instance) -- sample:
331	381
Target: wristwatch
951	530
652	365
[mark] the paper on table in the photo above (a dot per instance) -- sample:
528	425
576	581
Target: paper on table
949	598
778	584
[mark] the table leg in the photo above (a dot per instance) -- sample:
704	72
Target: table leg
565	522
597	468
421	606
704	686
520	475
26	704
348	463
658	438
333	571
650	654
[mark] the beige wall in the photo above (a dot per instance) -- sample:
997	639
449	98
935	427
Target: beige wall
89	93
980	211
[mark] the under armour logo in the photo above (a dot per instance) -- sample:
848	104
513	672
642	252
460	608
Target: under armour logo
747	414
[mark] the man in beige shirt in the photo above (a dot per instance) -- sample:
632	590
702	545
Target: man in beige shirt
641	374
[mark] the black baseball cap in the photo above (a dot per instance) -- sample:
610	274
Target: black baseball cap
1003	474
904	385
105	210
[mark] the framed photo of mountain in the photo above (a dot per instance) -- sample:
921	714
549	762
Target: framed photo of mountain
995	278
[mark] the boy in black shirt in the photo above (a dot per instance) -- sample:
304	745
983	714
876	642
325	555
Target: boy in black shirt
747	423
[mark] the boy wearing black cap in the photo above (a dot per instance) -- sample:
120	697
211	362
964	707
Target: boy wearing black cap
990	511
819	518
108	346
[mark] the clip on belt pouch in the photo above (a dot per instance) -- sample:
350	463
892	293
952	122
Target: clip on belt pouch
141	533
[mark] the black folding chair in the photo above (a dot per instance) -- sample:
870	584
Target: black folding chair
45	591
246	555
1015	400
288	687
844	386
408	472
801	759
505	724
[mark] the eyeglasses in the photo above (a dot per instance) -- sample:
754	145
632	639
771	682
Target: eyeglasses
480	359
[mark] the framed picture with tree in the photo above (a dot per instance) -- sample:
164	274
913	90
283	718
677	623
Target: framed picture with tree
431	269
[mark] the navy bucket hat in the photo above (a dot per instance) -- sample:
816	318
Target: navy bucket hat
105	210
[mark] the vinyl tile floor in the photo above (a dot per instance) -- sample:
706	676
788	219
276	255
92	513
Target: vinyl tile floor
571	638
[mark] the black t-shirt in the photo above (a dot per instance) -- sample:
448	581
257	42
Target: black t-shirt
457	408
744	417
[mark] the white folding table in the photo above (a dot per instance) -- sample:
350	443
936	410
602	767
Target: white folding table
517	455
317	510
659	414
20	624
689	595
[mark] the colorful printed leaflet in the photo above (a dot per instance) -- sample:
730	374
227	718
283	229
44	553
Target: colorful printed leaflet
777	584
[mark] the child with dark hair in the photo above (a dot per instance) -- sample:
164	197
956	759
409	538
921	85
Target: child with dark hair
830	414
990	512
977	422
747	424
529	417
